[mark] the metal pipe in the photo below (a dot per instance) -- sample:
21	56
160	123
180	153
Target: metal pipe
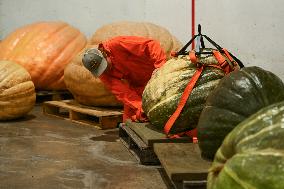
193	21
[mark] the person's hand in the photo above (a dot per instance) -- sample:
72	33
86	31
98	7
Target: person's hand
140	116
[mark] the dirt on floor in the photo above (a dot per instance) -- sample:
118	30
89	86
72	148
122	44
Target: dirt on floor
42	152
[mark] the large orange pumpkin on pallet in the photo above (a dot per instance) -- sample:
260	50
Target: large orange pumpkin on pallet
17	91
88	90
44	49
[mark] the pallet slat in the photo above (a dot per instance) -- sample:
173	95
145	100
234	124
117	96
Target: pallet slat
150	135
137	146
42	96
183	164
139	139
103	118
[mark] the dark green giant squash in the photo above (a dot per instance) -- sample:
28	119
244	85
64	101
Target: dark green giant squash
163	92
252	155
237	96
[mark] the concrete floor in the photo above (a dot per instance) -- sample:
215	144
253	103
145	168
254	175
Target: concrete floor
50	153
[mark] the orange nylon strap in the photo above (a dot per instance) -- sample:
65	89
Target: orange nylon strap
228	55
193	57
215	66
233	62
173	54
222	61
219	57
183	99
192	134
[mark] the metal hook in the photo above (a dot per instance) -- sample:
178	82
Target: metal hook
199	29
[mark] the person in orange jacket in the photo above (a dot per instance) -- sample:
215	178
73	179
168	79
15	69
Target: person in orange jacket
125	65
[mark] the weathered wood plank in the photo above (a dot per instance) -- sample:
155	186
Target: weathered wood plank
136	146
91	110
151	135
140	137
182	161
104	118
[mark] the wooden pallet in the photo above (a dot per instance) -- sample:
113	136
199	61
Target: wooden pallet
42	96
183	164
139	139
103	118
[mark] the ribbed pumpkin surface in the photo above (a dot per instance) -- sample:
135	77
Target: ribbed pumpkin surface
86	88
17	91
237	96
145	29
251	156
163	92
44	49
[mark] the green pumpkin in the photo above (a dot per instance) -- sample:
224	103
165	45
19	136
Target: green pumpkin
251	156
166	86
237	96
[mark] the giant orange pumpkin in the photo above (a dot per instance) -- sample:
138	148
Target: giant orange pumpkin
44	49
17	91
146	29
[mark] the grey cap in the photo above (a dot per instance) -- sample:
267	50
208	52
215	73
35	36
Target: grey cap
94	61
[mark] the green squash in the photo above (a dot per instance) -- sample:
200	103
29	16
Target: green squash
252	155
164	90
237	96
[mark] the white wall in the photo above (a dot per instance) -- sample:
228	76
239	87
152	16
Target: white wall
88	15
252	30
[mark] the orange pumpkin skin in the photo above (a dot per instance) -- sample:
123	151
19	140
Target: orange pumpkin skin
146	29
44	49
17	91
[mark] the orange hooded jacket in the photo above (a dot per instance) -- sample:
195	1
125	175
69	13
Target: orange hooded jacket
133	61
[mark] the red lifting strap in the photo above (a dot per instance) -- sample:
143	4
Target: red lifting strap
192	134
228	55
173	54
223	63
192	57
182	102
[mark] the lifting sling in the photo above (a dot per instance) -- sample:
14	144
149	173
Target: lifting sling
227	64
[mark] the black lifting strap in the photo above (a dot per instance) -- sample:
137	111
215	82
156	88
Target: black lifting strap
201	37
183	51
